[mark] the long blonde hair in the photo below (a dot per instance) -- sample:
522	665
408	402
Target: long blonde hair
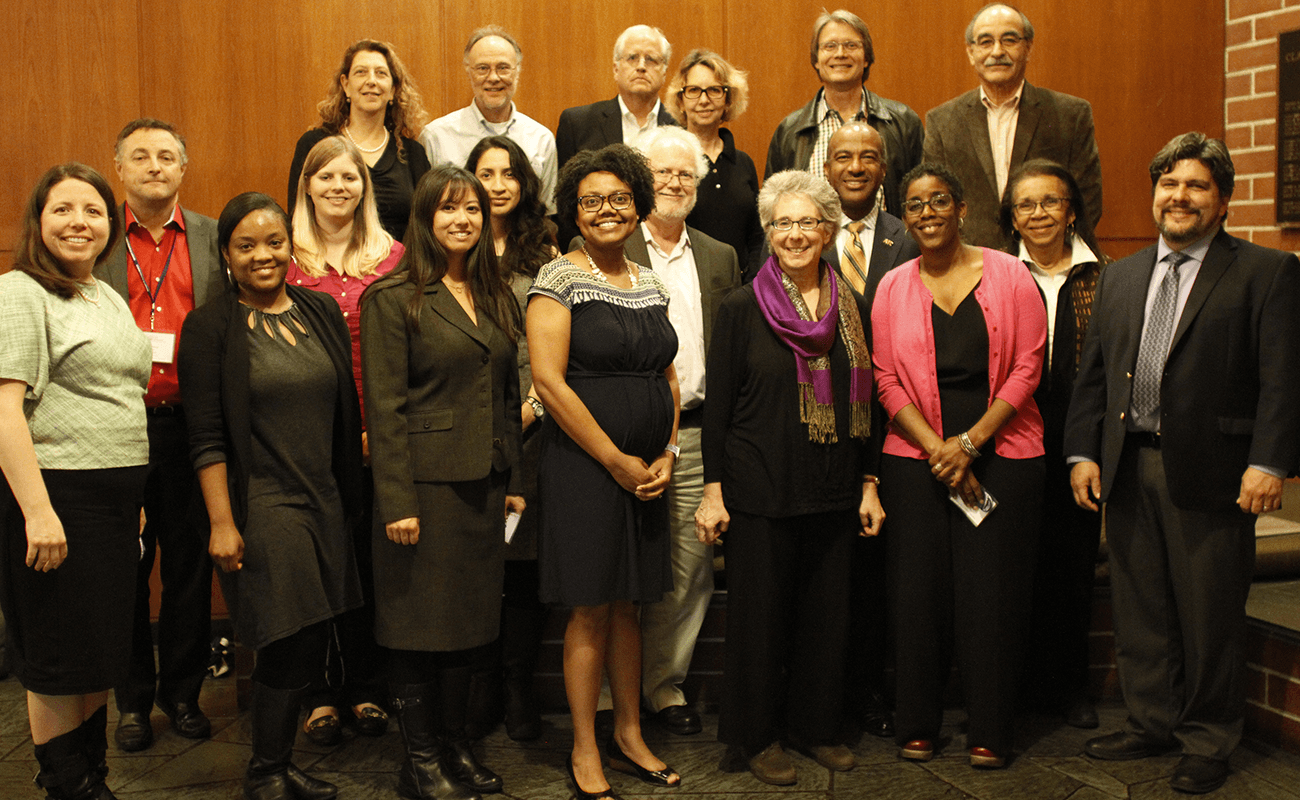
370	243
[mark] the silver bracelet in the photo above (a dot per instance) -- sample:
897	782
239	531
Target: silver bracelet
967	445
674	449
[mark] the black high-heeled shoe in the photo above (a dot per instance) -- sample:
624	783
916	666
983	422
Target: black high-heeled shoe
619	760
584	795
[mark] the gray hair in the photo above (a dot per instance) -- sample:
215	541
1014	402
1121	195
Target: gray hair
855	22
149	124
671	133
645	30
1024	22
798	182
484	32
1213	153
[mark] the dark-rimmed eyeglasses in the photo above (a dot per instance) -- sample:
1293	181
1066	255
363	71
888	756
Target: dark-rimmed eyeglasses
715	93
805	224
938	203
1049	204
594	202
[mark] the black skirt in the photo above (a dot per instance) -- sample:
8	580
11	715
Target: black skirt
69	630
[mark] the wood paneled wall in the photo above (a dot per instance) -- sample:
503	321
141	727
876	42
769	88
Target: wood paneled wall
242	77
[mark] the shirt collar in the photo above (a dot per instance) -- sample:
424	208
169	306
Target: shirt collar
482	120
819	113
626	112
1080	253
1195	251
869	221
681	246
1013	102
177	221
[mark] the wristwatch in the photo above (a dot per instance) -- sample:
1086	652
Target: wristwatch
539	411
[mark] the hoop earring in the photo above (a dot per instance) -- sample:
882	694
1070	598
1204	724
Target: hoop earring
961	223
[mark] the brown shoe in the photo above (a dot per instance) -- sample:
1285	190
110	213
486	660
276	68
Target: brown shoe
835	757
774	766
917	750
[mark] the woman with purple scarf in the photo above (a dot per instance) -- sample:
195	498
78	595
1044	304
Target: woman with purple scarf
789	471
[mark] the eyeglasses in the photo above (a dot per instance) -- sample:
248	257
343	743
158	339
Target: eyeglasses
1049	204
1008	40
714	92
938	203
805	224
651	62
594	202
851	47
665	176
506	71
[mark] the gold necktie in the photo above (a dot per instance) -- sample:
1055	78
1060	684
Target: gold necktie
855	270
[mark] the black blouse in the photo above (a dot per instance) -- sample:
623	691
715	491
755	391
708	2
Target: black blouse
753	440
726	205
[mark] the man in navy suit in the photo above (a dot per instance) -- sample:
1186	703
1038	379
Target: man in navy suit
1184	422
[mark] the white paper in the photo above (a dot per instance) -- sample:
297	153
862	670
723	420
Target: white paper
512	522
163	345
975	514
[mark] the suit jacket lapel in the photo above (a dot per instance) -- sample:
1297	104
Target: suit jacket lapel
635	248
1026	124
611	124
444	305
1132	304
977	128
1222	252
196	240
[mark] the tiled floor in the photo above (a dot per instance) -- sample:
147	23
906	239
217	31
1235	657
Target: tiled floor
1050	765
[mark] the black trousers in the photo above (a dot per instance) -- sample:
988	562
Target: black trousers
960	589
1179	581
177	524
787	624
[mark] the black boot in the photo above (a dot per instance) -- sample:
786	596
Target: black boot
66	772
466	768
521	639
485	708
422	776
94	733
271	774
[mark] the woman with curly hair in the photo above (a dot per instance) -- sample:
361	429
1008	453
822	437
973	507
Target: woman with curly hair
602	353
373	101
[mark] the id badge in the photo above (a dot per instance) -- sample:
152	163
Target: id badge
163	345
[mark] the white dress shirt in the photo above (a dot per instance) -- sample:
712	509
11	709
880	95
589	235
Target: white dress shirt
685	311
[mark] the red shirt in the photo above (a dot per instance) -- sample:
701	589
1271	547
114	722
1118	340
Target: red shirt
165	312
347	292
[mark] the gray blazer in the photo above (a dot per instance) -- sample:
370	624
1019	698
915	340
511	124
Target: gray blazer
205	264
1051	125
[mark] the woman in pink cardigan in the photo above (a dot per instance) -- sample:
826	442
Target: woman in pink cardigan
958	345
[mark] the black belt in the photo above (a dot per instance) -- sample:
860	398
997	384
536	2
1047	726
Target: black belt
691	417
164	411
1143	439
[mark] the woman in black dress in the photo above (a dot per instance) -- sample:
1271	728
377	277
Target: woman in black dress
275	435
442	406
373	101
789	477
73	449
602	351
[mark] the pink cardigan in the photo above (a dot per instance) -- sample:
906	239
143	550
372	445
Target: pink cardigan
903	351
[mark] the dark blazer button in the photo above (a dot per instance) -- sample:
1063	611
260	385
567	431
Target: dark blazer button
485	359
427	426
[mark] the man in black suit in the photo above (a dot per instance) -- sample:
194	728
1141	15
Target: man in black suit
870	242
165	266
1184	422
641	55
984	134
856	167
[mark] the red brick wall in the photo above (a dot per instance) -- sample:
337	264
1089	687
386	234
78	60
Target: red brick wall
1273	688
1250	112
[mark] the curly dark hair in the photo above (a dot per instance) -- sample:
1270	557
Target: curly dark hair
932	169
531	238
1043	167
425	259
621	161
33	257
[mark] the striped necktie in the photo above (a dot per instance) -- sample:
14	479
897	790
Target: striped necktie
855	268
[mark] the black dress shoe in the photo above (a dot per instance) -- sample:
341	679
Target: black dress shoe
682	720
187	719
134	732
877	717
1198	775
621	762
1123	746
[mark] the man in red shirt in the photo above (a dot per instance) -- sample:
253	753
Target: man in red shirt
165	266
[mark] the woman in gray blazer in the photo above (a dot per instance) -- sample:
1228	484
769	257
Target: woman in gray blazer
442	410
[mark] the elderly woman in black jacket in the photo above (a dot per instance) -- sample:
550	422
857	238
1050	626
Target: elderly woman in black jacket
275	434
